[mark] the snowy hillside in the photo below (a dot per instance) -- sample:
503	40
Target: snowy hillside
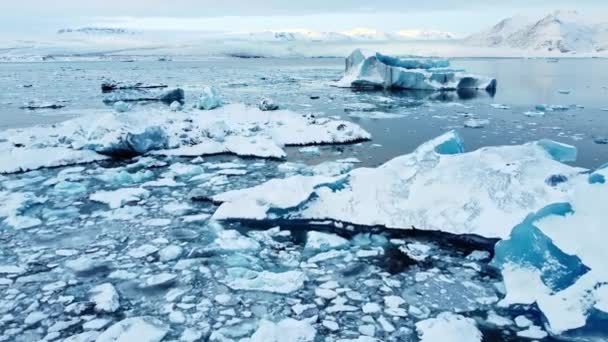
560	31
360	34
103	31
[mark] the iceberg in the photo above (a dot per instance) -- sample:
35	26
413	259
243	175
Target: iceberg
367	69
496	187
235	129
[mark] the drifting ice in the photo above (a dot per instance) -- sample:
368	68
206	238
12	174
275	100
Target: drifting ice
552	257
365	69
233	129
417	190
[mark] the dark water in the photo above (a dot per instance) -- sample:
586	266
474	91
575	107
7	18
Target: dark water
523	84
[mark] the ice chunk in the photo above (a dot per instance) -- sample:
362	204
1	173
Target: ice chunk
501	185
14	206
558	151
118	198
317	241
287	330
476	123
105	297
141	329
173	95
209	99
14	160
566	262
121	107
372	69
111	85
448	327
33	105
231	129
267	104
238	278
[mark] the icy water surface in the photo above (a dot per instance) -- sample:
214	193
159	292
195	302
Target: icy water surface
200	280
578	88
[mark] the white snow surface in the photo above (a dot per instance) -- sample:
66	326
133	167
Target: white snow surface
496	187
235	128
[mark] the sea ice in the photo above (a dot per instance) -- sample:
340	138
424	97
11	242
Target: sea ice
417	190
373	69
238	278
231	129
555	259
448	327
141	329
287	330
105	297
209	99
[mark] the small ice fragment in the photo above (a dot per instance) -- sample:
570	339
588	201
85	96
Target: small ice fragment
448	327
105	297
140	329
476	123
267	104
121	107
209	99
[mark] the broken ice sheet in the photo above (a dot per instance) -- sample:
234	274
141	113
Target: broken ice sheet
236	129
416	190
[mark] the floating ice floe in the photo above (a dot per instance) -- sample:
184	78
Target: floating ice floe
287	330
33	105
166	96
111	85
476	123
448	327
556	258
365	69
233	129
238	278
497	186
141	329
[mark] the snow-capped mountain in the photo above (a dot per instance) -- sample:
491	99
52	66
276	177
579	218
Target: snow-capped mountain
424	35
560	31
98	31
360	34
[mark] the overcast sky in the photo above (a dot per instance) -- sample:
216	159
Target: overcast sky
39	16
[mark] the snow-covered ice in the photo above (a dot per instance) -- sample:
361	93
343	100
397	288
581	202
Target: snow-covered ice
231	129
502	184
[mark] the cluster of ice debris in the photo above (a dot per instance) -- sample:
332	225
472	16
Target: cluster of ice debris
553	258
119	254
366	69
236	129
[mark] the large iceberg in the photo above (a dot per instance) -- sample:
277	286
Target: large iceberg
437	187
235	128
367	69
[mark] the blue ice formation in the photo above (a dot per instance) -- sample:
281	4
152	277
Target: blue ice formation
366	69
